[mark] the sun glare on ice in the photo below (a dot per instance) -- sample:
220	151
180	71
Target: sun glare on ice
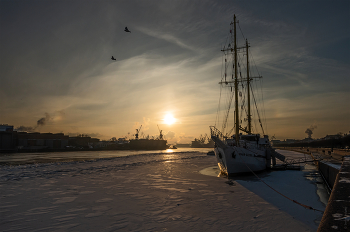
169	119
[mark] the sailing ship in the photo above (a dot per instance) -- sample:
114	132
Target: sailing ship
239	153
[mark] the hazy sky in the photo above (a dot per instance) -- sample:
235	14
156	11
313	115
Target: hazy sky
55	65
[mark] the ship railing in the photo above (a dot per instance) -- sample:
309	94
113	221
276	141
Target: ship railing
299	161
217	133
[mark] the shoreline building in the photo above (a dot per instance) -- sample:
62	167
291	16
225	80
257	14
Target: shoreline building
14	141
8	138
41	141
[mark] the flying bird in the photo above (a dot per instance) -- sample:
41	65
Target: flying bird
127	30
113	58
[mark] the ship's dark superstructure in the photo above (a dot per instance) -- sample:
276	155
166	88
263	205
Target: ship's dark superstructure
203	142
147	144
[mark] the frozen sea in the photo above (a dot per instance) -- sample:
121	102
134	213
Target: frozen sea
23	176
53	157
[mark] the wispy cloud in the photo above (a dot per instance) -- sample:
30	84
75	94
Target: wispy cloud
167	37
171	61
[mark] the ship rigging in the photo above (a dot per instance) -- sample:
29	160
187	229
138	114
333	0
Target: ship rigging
238	153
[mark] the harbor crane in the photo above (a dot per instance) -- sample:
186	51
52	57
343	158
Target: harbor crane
137	133
160	133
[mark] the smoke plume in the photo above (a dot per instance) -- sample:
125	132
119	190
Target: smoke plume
43	121
25	129
57	116
309	131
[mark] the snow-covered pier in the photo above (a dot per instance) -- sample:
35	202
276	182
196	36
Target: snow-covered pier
337	214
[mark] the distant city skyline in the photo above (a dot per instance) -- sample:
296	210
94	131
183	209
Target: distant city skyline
57	74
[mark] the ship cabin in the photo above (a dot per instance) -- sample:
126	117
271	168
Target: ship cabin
253	137
265	140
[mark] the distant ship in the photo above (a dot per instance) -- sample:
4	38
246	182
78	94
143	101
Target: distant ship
183	145
147	144
203	142
237	152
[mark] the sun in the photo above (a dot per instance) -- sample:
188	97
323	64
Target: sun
169	119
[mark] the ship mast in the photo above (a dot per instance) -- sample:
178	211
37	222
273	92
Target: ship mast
233	51
236	82
248	91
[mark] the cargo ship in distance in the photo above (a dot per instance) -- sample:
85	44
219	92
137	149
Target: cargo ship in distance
147	144
203	142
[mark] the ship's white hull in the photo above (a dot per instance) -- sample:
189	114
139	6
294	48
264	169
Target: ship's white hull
234	160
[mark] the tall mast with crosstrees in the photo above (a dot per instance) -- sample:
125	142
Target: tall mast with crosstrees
248	91
236	82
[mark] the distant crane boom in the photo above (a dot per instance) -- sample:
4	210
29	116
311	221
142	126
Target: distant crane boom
137	132
160	133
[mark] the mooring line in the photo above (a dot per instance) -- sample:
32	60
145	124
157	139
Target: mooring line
296	202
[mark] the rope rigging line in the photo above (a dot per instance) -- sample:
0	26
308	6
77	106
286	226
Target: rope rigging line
296	202
262	95
258	105
257	111
242	95
244	85
241	30
254	120
242	107
227	66
218	109
263	107
252	57
227	113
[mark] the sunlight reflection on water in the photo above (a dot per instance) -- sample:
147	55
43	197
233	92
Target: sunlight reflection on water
51	157
169	157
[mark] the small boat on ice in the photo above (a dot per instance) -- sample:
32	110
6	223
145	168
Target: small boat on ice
239	153
211	153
